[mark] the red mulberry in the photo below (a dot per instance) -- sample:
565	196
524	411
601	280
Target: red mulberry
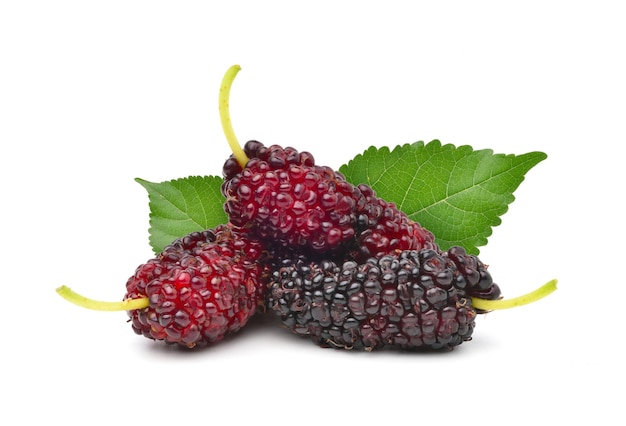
200	288
285	198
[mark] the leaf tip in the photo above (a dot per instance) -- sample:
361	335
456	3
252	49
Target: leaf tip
143	182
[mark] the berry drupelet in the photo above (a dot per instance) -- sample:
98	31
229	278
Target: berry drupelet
479	282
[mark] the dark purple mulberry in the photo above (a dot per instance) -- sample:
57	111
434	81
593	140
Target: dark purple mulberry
411	300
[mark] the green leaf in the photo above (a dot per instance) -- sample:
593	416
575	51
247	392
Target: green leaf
179	207
457	193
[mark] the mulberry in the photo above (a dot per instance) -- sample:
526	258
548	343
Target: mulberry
199	289
283	197
411	300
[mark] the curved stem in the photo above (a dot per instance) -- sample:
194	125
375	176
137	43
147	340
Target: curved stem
533	296
125	305
227	125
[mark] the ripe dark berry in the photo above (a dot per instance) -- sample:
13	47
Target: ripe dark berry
412	300
285	198
200	288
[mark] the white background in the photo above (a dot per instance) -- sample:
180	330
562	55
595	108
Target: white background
95	94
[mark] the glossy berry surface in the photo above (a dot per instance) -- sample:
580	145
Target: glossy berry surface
383	229
284	197
200	288
412	300
478	279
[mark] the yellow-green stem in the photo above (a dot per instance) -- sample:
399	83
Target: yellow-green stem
82	301
533	296
227	125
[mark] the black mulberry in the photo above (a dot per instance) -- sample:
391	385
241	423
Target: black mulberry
412	300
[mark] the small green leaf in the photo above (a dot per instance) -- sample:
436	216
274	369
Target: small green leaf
457	193
179	207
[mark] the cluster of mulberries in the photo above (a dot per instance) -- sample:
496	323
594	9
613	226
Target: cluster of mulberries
331	259
349	269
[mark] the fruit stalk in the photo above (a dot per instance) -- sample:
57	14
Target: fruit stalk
96	305
533	296
227	125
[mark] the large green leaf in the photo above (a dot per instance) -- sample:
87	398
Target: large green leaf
458	193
